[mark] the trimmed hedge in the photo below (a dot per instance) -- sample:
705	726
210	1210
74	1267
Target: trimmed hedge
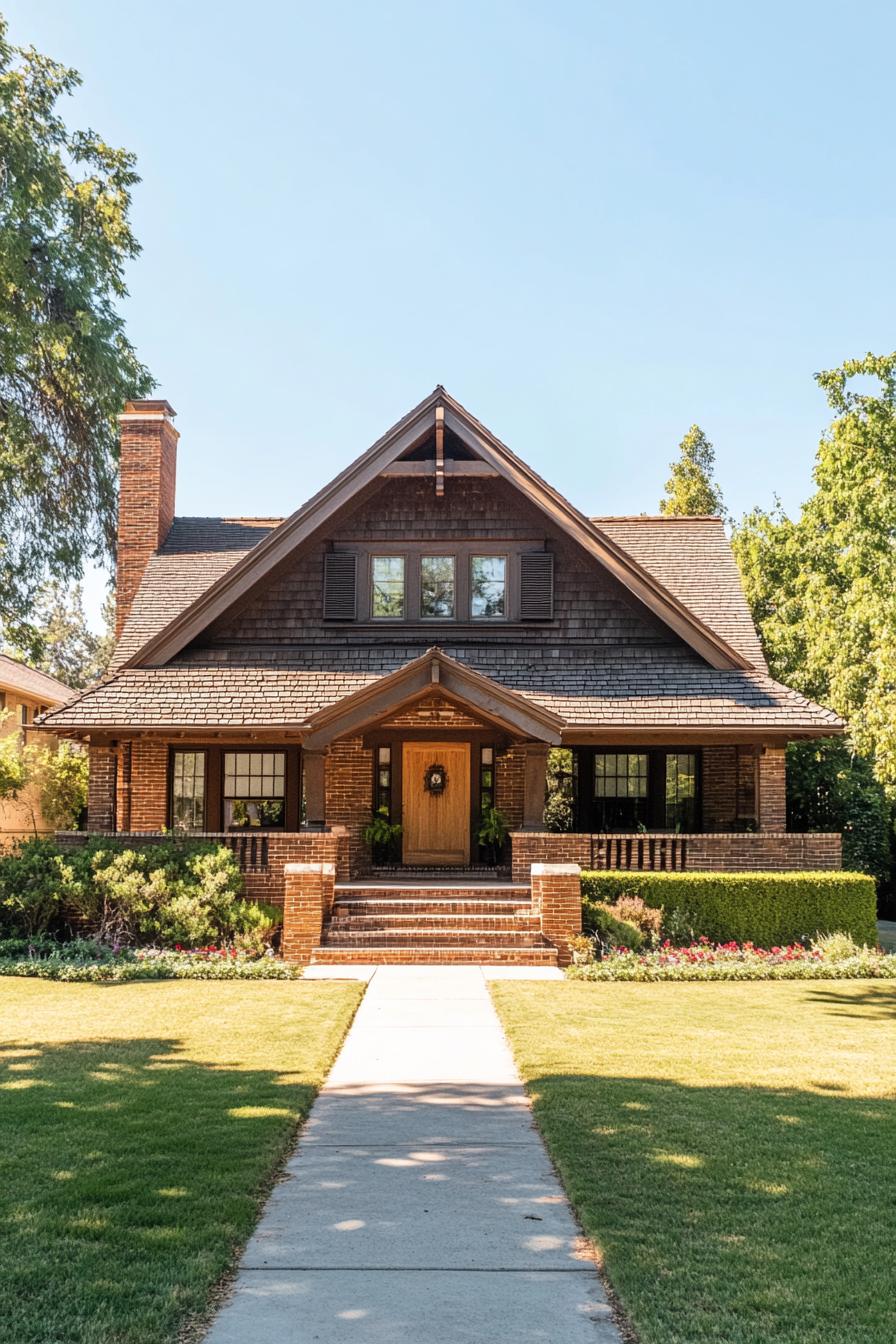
768	909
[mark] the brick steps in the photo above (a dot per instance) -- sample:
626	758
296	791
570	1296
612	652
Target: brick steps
443	909
435	954
438	919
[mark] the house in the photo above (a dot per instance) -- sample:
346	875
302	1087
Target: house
25	694
416	639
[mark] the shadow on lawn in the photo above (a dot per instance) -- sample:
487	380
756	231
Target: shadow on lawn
732	1213
868	999
128	1175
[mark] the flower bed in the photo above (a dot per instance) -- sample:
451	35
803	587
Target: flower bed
83	959
704	960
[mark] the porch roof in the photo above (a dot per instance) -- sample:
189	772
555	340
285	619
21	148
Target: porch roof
582	694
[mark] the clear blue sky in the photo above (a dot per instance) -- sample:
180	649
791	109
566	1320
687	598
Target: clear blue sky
595	223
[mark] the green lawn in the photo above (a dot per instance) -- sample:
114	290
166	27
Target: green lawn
139	1128
731	1149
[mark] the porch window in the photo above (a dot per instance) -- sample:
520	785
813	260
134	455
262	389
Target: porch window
437	586
620	790
188	790
254	789
384	780
387	587
486	779
681	791
488	587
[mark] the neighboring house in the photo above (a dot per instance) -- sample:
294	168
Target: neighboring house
24	694
416	638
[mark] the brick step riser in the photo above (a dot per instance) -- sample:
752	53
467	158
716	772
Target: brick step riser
495	893
431	923
433	937
436	956
444	909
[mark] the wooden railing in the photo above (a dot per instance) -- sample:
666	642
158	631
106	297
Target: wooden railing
649	853
250	851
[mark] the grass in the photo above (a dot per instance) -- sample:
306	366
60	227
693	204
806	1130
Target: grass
729	1149
140	1126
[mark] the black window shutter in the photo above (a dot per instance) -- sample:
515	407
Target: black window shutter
537	586
339	586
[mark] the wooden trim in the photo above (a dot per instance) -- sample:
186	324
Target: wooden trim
280	544
452	467
505	708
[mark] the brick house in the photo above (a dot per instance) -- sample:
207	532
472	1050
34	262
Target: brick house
417	638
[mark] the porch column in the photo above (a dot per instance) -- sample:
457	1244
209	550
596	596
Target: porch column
314	772
771	805
101	789
534	787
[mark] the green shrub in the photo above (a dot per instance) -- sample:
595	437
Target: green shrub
35	883
608	929
763	908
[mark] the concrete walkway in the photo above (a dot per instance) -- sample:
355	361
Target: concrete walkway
420	1206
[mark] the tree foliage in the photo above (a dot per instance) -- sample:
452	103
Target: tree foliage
691	487
823	586
63	644
66	365
49	781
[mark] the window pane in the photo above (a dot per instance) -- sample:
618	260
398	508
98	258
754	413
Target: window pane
387	580
254	774
188	790
620	790
681	790
437	586
488	586
384	755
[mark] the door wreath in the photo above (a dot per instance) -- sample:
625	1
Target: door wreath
435	779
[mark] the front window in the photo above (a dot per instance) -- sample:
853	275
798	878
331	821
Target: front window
620	790
488	587
681	791
254	789
387	580
437	586
188	791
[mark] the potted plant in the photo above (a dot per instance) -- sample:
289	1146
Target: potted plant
382	837
492	833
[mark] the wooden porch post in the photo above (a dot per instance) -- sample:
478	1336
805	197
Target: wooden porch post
534	788
314	771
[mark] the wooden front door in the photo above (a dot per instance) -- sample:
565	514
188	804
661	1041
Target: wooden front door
435	823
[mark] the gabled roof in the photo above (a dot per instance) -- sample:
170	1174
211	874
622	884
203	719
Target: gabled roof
457	681
16	676
692	557
308	521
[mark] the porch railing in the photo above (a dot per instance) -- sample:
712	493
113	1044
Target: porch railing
250	851
649	853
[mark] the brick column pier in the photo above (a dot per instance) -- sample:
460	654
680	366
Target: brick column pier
557	902
307	901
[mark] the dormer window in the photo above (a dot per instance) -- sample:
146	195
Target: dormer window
437	587
387	586
488	587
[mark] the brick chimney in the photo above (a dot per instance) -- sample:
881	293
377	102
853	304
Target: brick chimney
147	471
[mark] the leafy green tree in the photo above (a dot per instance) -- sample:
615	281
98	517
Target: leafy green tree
829	788
66	365
63	643
691	487
823	586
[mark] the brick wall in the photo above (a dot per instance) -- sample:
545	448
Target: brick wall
735	852
101	789
148	786
510	781
349	795
307	901
772	801
557	902
146	494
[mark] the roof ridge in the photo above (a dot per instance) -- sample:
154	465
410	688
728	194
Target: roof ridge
657	518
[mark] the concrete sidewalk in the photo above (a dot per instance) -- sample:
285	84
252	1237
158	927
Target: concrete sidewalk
420	1204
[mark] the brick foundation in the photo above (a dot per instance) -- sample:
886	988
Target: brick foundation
557	902
738	852
307	902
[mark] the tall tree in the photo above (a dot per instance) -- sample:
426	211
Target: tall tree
823	586
691	487
64	644
66	365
